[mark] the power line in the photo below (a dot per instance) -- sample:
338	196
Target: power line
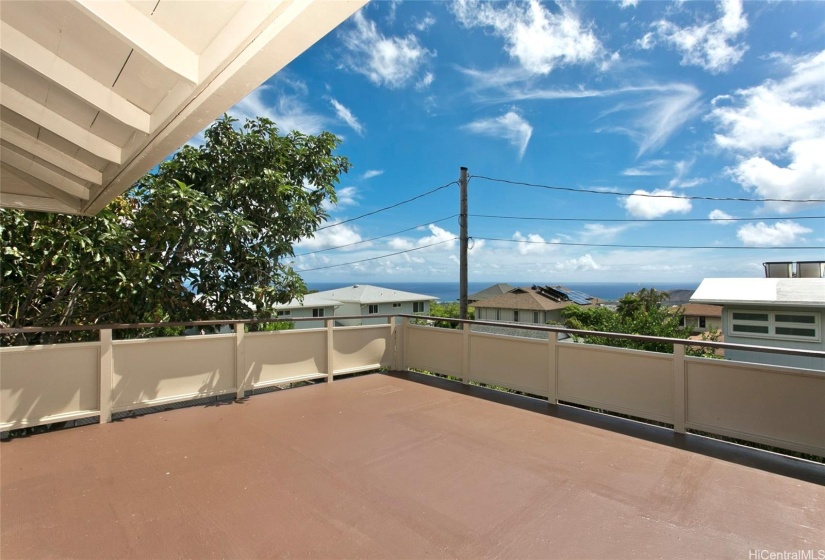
493	216
646	195
377	238
379	257
622	246
396	205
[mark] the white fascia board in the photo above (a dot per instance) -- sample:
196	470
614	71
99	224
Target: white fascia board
133	27
36	204
31	167
60	125
46	63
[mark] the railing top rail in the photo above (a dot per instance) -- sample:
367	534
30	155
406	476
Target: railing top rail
211	322
636	337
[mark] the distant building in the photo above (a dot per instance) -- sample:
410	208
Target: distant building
700	317
359	300
492	291
533	305
778	312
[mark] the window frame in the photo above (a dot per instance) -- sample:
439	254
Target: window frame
418	306
771	323
318	312
372	309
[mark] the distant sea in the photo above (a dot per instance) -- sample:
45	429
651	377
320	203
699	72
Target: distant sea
449	291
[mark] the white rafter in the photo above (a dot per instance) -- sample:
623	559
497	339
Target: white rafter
52	67
25	106
17	137
54	196
53	178
126	21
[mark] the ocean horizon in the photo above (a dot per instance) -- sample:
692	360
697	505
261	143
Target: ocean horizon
449	291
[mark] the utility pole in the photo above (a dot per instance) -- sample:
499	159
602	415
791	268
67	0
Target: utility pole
462	222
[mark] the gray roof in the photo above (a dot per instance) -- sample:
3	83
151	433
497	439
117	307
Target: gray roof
494	290
528	298
808	292
363	294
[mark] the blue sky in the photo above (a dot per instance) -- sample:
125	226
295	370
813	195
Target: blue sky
698	99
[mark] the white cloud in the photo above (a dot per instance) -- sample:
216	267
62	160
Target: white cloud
532	244
346	115
648	168
682	168
763	235
655	204
710	45
602	233
336	236
285	106
720	217
802	179
347	196
583	263
393	62
444	239
510	126
780	120
425	81
647	42
425	23
628	4
537	38
370	173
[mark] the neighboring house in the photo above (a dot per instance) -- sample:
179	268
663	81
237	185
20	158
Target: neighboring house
358	300
778	312
492	291
534	305
700	317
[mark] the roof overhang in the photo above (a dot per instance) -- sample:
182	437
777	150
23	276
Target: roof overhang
96	93
792	292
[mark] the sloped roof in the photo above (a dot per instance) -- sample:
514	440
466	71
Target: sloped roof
701	310
524	299
363	294
494	290
808	292
95	94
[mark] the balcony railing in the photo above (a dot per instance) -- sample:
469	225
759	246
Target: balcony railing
778	406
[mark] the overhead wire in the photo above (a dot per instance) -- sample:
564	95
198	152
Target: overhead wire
376	238
628	246
647	195
380	256
547	219
390	207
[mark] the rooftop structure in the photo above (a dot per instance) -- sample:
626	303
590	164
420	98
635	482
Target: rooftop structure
494	290
362	294
95	94
805	292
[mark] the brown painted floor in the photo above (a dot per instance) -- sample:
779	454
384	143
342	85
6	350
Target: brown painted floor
397	466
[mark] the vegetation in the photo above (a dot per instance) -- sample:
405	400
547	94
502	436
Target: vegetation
448	310
203	237
636	313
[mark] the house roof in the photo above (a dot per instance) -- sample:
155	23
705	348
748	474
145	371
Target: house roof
494	290
808	292
95	94
529	299
363	294
701	310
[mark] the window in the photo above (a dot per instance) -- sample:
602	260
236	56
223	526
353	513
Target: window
318	312
373	309
498	314
781	324
283	312
515	315
536	317
396	305
702	323
418	307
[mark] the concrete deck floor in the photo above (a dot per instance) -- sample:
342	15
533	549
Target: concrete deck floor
398	466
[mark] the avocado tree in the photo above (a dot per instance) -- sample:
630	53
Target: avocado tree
207	235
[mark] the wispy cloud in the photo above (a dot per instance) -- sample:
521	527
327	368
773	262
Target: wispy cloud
392	62
342	234
510	126
538	39
720	217
710	45
648	168
284	104
370	173
346	115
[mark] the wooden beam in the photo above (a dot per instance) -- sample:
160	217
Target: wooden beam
17	137
52	67
31	167
54	200
60	125
137	30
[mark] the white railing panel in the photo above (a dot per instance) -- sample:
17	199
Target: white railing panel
44	384
434	349
159	370
513	363
782	407
284	356
631	382
362	348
